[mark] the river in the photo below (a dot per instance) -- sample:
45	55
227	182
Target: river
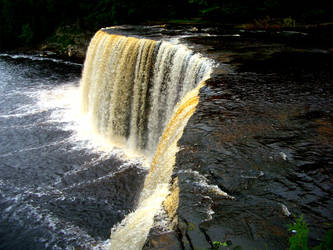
57	189
256	153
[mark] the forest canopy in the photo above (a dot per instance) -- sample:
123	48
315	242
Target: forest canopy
30	21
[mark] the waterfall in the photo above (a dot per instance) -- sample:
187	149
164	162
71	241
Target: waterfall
139	94
130	87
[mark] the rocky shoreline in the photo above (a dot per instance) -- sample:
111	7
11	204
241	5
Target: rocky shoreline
67	43
71	43
258	150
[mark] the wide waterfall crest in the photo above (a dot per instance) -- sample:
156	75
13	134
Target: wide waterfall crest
140	93
130	87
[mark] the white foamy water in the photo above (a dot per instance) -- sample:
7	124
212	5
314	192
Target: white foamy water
139	94
87	148
56	179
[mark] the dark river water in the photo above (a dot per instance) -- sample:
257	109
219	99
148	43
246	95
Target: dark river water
262	132
56	190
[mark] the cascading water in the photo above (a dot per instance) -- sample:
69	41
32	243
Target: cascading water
139	94
130	86
132	232
59	191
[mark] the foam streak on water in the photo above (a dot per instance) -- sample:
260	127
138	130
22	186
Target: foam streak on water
58	190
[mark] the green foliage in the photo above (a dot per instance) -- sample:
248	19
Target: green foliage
263	23
289	22
30	21
218	244
210	10
27	34
327	243
206	8
299	241
270	23
64	41
191	226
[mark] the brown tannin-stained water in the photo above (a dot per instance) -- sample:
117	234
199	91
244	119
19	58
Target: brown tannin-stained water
139	94
135	97
232	154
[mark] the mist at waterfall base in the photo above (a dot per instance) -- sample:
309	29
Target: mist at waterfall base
140	93
56	189
262	134
59	187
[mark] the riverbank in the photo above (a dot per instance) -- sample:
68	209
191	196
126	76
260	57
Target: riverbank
70	42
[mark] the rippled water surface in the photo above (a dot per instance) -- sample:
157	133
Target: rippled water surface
262	132
56	191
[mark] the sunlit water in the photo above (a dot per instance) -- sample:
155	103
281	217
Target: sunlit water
57	190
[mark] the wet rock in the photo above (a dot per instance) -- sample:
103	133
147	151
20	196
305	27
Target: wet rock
252	137
163	241
192	235
259	146
68	42
285	210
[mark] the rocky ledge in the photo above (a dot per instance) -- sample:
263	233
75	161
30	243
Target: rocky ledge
258	151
